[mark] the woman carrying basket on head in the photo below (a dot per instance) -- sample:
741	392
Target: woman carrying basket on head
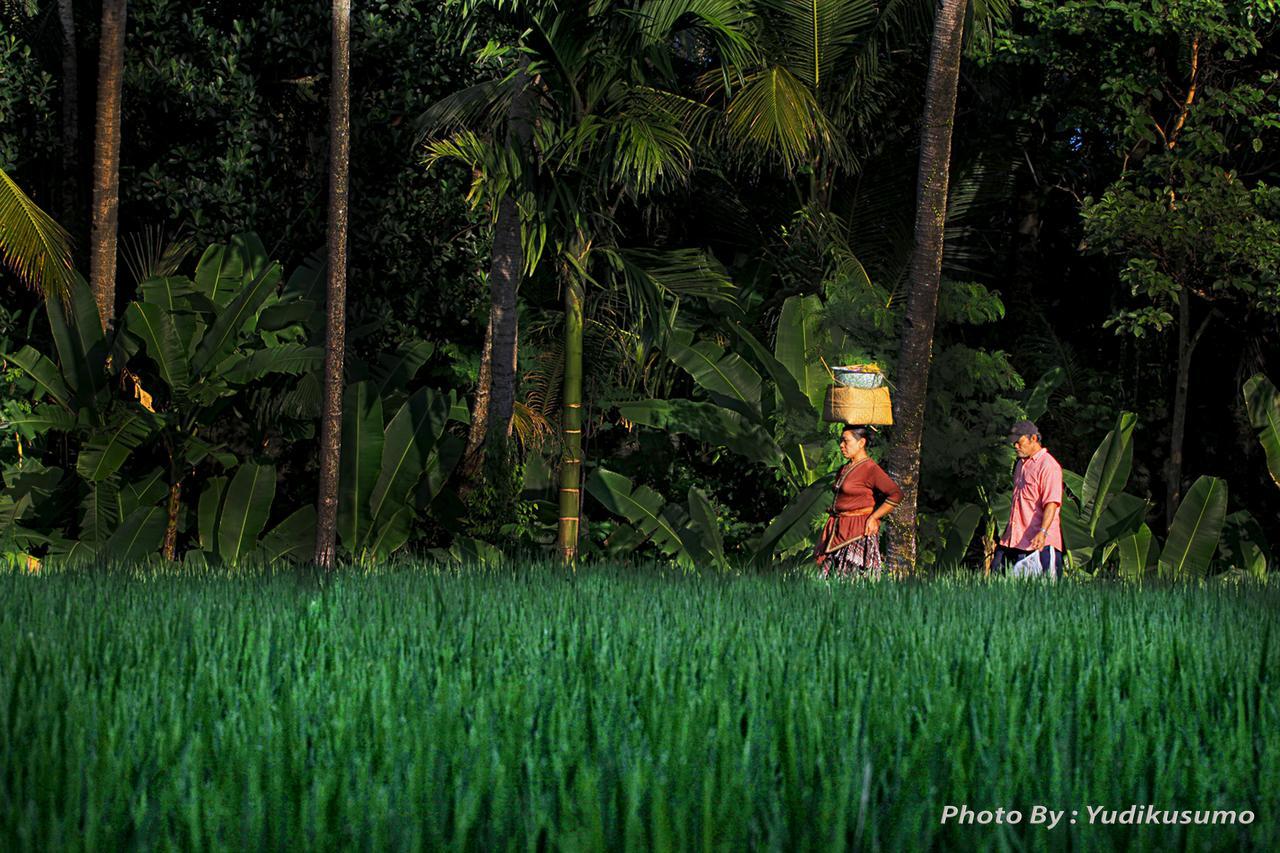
850	542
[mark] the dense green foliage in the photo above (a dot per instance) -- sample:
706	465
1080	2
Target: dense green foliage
411	708
1114	163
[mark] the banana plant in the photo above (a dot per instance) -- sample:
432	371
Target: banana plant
1097	514
233	513
391	468
1263	403
1197	525
762	405
689	536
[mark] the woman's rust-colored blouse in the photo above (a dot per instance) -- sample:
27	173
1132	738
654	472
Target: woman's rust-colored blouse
855	492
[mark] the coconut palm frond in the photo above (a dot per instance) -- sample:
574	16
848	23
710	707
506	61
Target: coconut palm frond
32	244
532	428
150	254
817	33
650	149
726	23
777	113
482	107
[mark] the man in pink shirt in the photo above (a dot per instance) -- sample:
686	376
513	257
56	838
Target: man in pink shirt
1034	525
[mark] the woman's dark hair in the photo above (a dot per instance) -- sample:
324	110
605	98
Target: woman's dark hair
860	432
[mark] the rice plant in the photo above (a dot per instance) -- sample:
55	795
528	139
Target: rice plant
531	708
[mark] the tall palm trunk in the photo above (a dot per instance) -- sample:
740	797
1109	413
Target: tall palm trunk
70	209
496	388
106	160
335	330
571	428
924	275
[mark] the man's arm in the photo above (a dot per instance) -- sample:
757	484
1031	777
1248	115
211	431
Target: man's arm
1042	535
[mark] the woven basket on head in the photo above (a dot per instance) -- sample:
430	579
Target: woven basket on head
858	406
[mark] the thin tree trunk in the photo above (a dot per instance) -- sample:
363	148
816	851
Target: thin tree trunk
70	208
336	294
571	461
924	275
1187	341
170	549
496	388
106	160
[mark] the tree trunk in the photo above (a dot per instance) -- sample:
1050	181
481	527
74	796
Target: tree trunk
106	160
1187	341
571	430
336	294
70	207
170	549
924	276
496	388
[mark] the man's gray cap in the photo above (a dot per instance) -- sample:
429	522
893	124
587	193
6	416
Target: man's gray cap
1022	428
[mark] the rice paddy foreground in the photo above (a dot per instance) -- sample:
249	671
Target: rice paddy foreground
529	708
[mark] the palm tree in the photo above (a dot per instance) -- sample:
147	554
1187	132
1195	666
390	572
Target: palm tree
607	135
106	160
496	385
925	274
32	244
336	294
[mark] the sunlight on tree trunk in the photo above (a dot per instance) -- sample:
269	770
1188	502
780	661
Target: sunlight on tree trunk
106	160
336	293
924	276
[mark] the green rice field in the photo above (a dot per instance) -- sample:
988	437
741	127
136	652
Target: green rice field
530	709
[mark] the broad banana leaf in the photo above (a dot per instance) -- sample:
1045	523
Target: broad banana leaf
640	505
1197	525
362	442
964	522
46	375
1263	403
104	453
154	326
706	526
796	346
408	440
220	274
709	423
1038	398
795	523
245	508
222	335
147	490
443	458
81	345
208	511
785	386
282	315
1076	536
1123	516
138	535
101	517
1108	469
289	358
1244	545
715	370
292	539
1135	553
40	420
394	371
390	534
170	293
